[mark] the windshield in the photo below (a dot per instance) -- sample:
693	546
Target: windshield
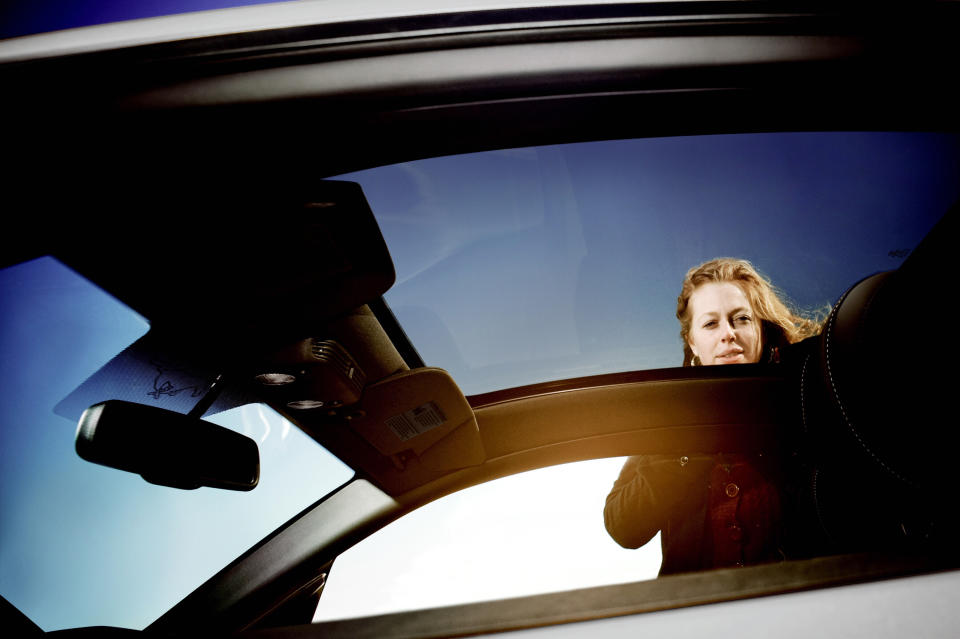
82	544
528	265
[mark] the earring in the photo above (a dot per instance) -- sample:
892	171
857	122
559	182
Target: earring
695	361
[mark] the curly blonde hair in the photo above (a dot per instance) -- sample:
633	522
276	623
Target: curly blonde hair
781	325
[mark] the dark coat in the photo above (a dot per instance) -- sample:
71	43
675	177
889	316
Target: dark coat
712	510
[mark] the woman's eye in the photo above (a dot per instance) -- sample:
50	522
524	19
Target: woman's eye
710	324
743	319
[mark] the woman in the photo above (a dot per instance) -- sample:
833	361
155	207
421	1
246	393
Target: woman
712	510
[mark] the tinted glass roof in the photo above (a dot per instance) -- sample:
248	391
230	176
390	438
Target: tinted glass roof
529	265
40	16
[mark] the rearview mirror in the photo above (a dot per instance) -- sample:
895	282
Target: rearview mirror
167	448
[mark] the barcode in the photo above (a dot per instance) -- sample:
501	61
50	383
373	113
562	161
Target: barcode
403	428
414	422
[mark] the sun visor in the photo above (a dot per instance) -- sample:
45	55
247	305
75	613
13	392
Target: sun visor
244	263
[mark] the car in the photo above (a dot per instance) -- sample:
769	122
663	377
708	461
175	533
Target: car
412	252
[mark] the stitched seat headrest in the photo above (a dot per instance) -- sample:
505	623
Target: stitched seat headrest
870	457
879	409
881	361
862	378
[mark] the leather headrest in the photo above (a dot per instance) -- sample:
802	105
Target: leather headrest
887	396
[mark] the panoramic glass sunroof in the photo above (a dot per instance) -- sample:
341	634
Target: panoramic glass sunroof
528	265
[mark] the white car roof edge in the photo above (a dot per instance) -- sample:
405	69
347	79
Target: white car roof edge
219	22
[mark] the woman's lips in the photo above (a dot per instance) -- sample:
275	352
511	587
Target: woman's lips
730	356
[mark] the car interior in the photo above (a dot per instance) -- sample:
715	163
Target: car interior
199	181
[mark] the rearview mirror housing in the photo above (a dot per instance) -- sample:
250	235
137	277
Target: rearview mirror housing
167	448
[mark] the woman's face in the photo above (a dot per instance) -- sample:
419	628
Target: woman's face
723	329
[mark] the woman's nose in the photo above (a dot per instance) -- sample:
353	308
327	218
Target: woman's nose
728	332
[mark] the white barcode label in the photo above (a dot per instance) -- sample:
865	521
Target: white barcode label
417	421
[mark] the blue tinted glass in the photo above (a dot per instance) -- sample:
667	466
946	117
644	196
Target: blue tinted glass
23	17
82	544
528	265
